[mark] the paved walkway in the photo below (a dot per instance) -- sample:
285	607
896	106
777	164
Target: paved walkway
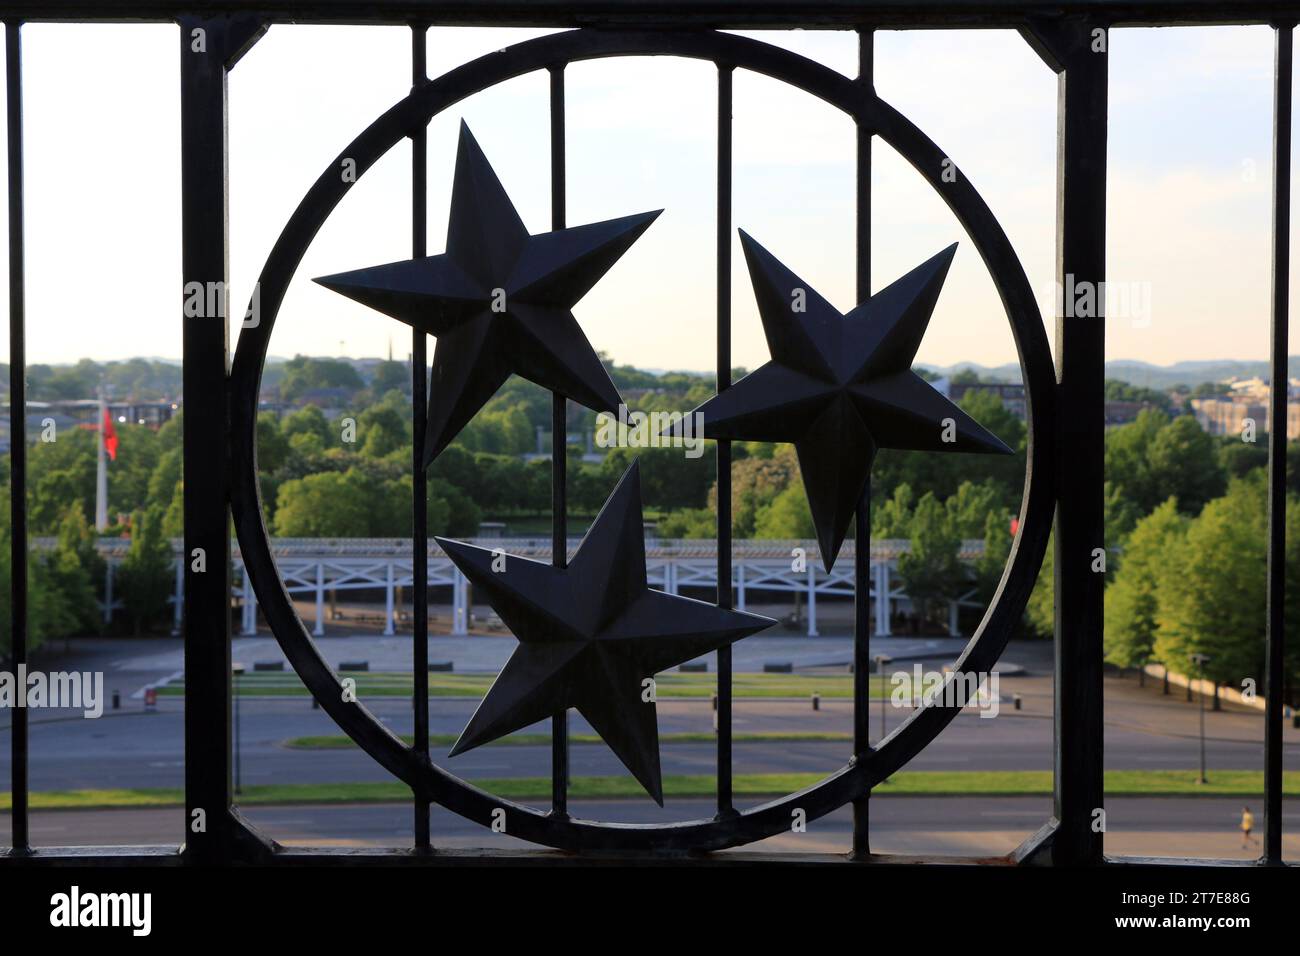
983	826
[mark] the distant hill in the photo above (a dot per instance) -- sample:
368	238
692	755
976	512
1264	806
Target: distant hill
153	377
1144	373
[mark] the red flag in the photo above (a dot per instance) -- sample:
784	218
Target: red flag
1015	526
110	436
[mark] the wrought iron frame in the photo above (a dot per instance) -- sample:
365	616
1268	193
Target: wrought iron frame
1065	411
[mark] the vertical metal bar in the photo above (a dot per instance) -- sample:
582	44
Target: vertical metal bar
559	446
1080	519
725	71
419	480
1277	404
17	426
208	49
862	532
206	347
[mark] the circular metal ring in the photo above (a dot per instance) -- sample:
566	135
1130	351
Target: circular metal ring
413	113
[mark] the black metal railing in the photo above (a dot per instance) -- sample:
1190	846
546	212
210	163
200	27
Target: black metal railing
1064	481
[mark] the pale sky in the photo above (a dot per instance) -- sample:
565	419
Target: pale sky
1189	146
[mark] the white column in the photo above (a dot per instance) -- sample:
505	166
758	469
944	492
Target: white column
320	599
740	587
883	602
250	606
108	591
388	598
812	601
460	603
178	598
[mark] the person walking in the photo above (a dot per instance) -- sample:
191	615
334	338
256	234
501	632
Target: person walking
1247	825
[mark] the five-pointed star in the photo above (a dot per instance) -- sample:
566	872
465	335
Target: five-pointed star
840	387
499	300
590	635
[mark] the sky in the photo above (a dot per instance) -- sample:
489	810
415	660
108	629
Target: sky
1188	200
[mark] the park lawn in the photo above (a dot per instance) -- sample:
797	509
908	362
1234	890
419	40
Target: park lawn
1119	783
339	741
668	685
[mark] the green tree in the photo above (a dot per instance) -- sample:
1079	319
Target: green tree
942	474
272	443
754	483
688	523
1211	601
971	505
668	478
303	374
1184	464
309	420
138	455
173	525
1040	612
786	516
326	505
391	376
50	496
383	430
70	574
1132	602
146	576
893	518
166	473
34	632
1153	458
1238	458
459	515
931	570
991	563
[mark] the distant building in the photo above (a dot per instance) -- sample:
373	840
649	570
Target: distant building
1226	416
1012	395
84	413
327	399
1121	413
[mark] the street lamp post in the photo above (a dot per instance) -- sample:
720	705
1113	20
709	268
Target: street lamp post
1200	660
236	671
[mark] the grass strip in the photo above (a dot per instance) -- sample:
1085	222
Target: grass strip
935	783
384	684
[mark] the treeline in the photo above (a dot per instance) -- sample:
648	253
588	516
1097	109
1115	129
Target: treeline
350	477
66	583
139	379
1184	527
1186	551
328	479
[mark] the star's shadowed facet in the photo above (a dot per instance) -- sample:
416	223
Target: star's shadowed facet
499	300
839	387
590	635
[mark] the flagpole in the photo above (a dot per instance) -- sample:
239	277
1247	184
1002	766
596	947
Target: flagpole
101	470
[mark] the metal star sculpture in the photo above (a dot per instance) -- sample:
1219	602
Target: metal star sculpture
590	635
841	386
499	300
